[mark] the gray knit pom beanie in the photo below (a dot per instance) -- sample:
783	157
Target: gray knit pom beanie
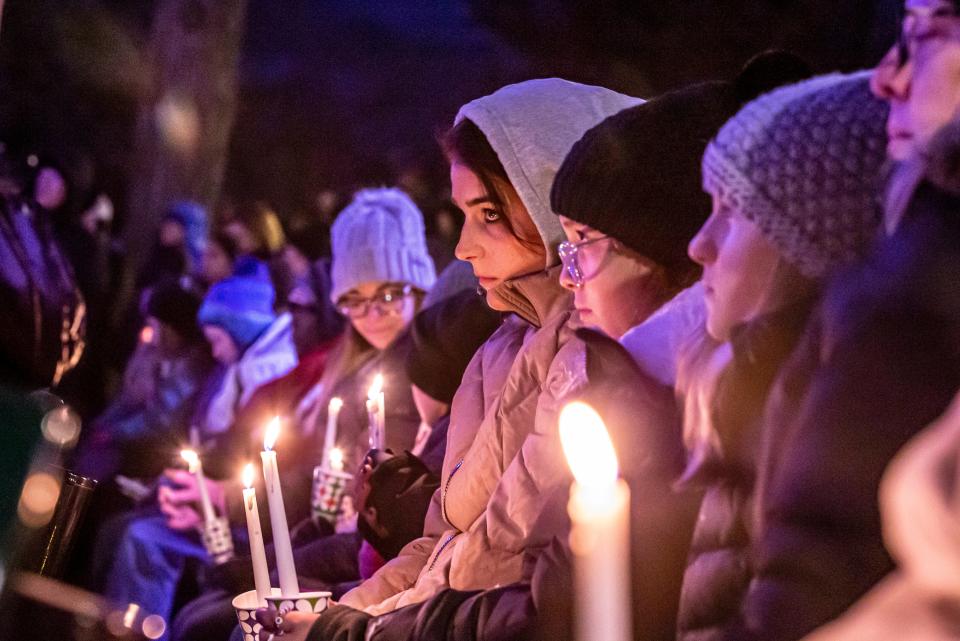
379	236
804	163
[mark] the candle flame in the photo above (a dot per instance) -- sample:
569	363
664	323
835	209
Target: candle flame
336	459
273	431
335	404
374	392
193	461
247	476
587	446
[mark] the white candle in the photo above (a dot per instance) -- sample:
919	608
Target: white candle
196	468
330	438
375	413
599	510
335	460
261	573
278	516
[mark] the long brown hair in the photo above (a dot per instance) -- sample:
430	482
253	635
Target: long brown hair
466	144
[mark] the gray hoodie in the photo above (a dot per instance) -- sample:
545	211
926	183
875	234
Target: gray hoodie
531	126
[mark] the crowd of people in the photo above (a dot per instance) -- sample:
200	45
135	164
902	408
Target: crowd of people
753	281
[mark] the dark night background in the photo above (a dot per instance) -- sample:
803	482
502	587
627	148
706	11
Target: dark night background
335	93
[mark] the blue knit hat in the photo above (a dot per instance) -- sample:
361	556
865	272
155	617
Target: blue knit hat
241	305
804	164
193	218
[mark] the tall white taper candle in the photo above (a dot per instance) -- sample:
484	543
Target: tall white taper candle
289	587
258	555
330	438
375	413
196	468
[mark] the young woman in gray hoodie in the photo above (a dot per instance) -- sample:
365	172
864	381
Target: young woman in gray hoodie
504	150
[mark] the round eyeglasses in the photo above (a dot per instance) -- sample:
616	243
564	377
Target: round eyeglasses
386	301
578	266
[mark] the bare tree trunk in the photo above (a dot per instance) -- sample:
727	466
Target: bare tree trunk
183	127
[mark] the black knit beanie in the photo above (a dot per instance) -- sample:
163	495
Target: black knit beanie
444	337
636	175
176	304
400	488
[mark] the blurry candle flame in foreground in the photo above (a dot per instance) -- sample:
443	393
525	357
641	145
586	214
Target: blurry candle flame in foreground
336	403
272	433
248	475
61	426
38	499
587	446
373	393
191	458
600	531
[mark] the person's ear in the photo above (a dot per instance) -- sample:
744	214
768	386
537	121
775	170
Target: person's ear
369	515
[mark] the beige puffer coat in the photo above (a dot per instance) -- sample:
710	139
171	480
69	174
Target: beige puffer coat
502	455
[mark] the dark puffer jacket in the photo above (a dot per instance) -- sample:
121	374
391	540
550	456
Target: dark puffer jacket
879	364
718	570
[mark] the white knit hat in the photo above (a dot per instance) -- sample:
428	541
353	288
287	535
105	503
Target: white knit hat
379	237
804	162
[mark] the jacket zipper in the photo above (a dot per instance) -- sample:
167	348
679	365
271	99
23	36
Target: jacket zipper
443	510
446	486
440	551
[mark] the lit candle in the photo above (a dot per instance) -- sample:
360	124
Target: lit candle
600	535
261	573
278	517
330	439
196	468
335	459
375	413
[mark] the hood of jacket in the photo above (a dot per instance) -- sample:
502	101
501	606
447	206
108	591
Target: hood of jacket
531	126
536	298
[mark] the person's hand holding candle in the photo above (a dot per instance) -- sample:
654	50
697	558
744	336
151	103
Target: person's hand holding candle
178	498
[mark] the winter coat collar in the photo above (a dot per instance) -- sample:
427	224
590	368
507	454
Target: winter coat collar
536	298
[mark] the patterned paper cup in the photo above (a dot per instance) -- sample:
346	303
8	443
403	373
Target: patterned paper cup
246	606
304	602
329	486
217	540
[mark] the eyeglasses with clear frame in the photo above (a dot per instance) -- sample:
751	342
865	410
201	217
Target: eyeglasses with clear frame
387	301
572	258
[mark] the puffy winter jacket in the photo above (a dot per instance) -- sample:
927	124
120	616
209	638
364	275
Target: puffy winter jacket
479	522
718	571
272	355
880	362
